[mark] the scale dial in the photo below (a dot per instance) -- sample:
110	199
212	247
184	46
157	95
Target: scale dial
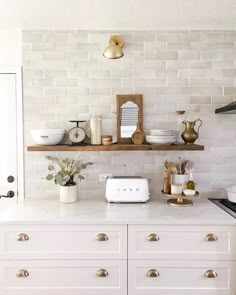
77	135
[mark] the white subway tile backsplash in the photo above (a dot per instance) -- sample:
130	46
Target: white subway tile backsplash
52	73
43	82
144	37
160	46
178	46
55	91
212	55
77	91
52	55
67	78
189	55
42	46
178	37
34	37
63	82
53	37
76	37
212	37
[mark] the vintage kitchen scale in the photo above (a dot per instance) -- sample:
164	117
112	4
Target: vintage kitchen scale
77	135
180	200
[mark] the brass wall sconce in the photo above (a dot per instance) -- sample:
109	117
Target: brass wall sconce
114	49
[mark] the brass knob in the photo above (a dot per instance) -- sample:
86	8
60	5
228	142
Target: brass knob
153	273
102	237
211	238
22	237
211	274
22	273
153	237
101	273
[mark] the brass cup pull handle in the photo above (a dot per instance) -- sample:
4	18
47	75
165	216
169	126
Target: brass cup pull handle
153	273
153	237
211	238
101	273
22	237
22	273
211	274
102	237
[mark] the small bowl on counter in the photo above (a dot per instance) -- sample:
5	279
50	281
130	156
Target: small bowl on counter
48	136
231	193
189	192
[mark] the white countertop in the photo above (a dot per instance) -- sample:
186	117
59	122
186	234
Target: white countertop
203	212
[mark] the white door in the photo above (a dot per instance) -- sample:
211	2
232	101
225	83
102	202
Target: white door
8	135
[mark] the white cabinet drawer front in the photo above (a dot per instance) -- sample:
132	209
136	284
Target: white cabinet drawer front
165	242
58	242
181	277
74	277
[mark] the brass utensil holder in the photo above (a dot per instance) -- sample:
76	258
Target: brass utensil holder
180	200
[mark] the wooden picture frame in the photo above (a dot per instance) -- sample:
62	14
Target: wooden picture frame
122	99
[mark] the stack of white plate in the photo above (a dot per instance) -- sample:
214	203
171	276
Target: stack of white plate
161	136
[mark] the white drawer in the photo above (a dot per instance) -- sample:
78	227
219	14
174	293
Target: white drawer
181	277
181	242
63	242
63	277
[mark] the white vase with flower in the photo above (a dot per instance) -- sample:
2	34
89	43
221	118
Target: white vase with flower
64	173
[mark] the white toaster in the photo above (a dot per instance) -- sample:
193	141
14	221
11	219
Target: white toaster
126	189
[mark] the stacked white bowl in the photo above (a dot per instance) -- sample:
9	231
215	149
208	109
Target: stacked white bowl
48	136
161	136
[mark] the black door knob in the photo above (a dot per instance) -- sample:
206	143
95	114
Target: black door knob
10	178
10	194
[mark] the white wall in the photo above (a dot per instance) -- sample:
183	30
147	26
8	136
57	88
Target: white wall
66	77
10	47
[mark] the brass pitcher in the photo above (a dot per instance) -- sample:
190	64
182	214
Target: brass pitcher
190	135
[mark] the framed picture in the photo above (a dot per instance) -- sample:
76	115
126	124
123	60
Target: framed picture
129	116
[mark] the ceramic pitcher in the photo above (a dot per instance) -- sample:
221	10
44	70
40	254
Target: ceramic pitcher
190	135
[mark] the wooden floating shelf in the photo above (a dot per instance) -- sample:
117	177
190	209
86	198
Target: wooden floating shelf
114	147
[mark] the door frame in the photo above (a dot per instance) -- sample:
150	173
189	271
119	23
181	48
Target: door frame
19	128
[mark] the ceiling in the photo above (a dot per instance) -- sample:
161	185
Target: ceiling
119	14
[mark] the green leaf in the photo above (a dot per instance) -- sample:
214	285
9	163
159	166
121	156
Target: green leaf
66	178
49	177
50	167
58	178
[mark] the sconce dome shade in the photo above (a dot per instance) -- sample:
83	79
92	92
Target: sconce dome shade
114	50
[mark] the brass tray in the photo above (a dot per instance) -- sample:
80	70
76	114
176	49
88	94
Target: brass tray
180	200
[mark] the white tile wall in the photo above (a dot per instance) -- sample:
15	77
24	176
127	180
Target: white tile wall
66	77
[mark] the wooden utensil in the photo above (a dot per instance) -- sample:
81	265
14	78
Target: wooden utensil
138	136
171	167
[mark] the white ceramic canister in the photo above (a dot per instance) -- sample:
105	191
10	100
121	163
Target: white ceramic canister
177	183
68	194
179	178
176	189
96	129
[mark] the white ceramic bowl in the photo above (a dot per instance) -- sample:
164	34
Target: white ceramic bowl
48	136
189	192
231	196
162	132
152	139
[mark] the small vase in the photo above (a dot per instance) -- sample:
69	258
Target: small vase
68	194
